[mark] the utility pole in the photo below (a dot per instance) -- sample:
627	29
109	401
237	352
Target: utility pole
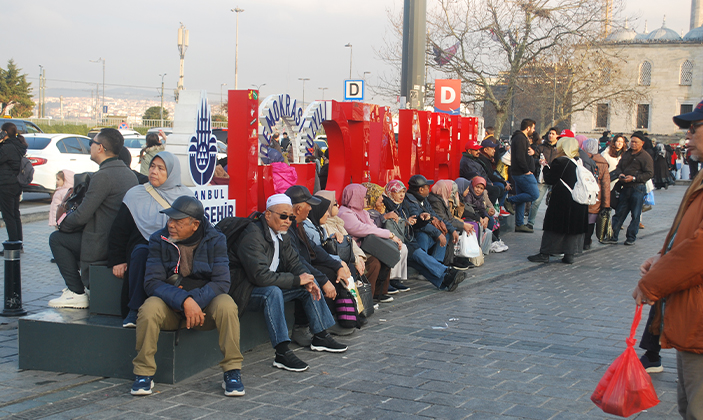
351	50
41	90
61	105
222	104
412	77
236	10
304	79
182	47
162	99
323	92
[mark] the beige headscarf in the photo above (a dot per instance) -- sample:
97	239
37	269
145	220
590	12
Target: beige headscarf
330	195
568	146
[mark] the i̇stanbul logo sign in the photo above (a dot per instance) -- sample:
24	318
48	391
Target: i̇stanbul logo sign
202	151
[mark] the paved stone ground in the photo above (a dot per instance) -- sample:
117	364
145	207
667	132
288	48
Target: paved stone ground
517	340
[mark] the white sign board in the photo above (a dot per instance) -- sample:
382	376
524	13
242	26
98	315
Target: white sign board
353	90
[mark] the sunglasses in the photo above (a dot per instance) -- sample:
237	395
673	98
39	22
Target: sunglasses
284	216
92	142
693	126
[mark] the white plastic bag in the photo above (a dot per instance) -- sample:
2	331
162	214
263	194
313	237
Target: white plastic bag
467	246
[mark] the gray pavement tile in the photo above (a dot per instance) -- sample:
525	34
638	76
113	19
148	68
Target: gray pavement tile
482	393
451	400
572	394
85	411
403	393
131	415
356	412
562	404
395	415
234	405
311	416
317	405
184	412
278	398
403	406
445	412
104	413
531	400
443	387
272	412
480	415
322	392
530	412
22	406
495	407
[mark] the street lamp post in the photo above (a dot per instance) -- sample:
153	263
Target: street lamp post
323	92
222	104
102	108
304	79
162	99
365	73
236	10
351	50
258	87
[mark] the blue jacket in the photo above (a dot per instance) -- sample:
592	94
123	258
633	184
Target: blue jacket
210	264
416	207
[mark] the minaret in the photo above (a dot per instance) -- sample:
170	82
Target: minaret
696	13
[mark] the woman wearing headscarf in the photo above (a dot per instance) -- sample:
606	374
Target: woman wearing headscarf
662	175
359	225
138	218
590	146
440	197
566	221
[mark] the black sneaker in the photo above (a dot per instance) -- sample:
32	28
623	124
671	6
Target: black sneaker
461	263
289	361
629	242
392	290
539	258
327	343
383	298
568	259
452	279
609	241
399	285
509	207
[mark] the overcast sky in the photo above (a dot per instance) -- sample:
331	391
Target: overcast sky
279	41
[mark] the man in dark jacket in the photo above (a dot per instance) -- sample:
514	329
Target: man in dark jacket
429	247
635	168
522	168
187	279
546	153
83	234
471	166
486	159
269	273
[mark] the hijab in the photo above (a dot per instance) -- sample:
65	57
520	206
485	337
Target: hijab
454	197
590	146
354	197
661	149
580	139
462	184
319	210
394	187
373	192
329	195
443	188
477	180
144	208
568	146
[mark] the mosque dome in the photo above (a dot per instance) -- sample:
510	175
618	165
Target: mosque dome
695	34
663	34
622	35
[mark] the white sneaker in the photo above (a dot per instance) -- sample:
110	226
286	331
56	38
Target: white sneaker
68	299
503	247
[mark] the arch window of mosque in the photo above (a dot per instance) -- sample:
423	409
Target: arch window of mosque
645	76
686	73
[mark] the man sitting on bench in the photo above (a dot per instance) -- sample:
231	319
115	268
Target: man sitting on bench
187	279
270	273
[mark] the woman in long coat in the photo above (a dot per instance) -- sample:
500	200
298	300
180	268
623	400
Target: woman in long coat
565	221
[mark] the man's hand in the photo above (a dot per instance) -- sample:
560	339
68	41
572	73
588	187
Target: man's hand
343	273
195	317
442	240
647	265
425	216
391	215
307	280
119	270
530	151
329	290
640	298
468	228
455	236
412	220
508	187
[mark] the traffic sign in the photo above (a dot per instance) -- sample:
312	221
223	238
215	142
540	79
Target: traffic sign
123	126
104	109
353	90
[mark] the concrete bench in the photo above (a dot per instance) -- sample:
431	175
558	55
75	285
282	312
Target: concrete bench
93	342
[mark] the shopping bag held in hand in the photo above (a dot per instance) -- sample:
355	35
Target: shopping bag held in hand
626	387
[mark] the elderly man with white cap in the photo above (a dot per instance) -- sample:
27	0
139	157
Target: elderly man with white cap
270	274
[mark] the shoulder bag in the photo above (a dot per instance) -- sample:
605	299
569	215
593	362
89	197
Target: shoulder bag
384	249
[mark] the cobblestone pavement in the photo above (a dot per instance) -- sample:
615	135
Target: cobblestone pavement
516	340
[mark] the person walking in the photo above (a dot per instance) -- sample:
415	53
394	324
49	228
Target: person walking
613	153
590	146
565	221
547	152
12	149
522	168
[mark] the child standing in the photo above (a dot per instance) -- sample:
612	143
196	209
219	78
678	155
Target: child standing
64	182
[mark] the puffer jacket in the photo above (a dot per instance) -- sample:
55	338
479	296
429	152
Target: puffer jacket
11	152
678	277
210	264
251	268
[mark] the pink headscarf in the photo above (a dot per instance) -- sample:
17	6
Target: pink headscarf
394	186
478	180
443	188
580	139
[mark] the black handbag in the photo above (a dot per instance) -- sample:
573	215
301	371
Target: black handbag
366	295
342	249
385	250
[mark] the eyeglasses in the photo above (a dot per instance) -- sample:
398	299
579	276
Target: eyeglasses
92	142
335	205
284	216
693	126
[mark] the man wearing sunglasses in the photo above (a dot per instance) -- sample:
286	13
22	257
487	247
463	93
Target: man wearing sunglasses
83	234
674	274
269	273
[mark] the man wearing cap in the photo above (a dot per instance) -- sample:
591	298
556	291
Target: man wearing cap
675	274
270	273
522	168
429	247
635	168
187	279
486	159
470	166
547	152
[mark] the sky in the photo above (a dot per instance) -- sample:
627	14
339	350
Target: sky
280	41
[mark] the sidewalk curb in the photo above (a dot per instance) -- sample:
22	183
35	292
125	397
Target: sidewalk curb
30	217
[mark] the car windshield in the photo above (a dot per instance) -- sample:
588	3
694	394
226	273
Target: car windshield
37	143
135	143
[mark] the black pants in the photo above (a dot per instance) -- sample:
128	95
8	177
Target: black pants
10	208
66	249
493	193
589	234
649	341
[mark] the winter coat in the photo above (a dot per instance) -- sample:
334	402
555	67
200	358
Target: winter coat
493	175
563	215
678	277
470	167
640	165
98	209
284	176
520	162
335	225
147	155
357	220
442	211
124	237
603	182
251	268
11	152
210	265
318	256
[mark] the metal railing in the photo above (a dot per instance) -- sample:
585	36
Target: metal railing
115	121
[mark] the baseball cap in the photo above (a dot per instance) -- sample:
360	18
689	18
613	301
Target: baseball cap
299	194
684	120
566	133
488	143
185	206
417	181
473	145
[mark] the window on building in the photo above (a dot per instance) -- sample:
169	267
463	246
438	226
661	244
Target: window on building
643	116
686	73
686	108
645	78
602	113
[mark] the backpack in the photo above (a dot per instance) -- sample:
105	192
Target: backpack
26	174
232	228
586	188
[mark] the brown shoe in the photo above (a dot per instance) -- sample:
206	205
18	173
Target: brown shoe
523	228
641	225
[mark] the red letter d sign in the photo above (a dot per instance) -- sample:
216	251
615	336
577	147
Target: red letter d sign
447	96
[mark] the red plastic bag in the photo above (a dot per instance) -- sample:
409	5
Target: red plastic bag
626	387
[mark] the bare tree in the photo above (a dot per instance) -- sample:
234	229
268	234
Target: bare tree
548	52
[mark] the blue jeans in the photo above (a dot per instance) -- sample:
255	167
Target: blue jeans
631	200
543	190
431	245
270	299
503	192
526	190
137	267
428	258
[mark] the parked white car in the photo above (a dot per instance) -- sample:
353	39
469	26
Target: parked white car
135	144
51	153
